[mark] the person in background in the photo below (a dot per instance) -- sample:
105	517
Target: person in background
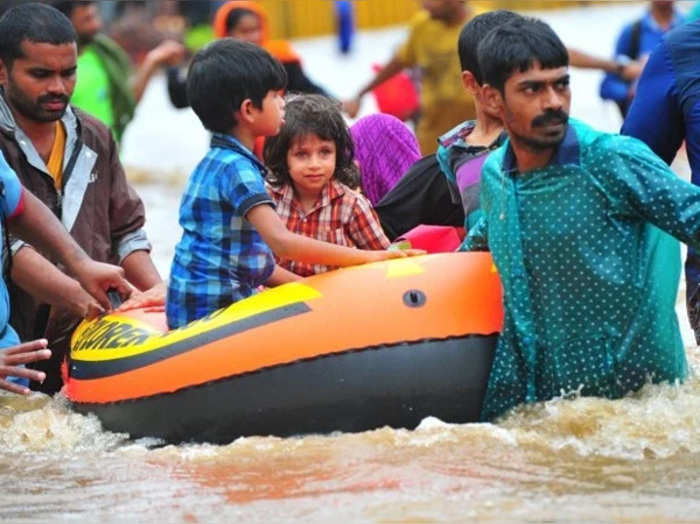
430	47
576	221
313	178
664	114
443	189
635	43
464	149
384	149
106	87
248	21
70	161
231	231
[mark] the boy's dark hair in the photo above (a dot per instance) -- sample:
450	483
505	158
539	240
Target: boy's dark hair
306	115
516	46
35	22
225	73
235	15
474	32
67	6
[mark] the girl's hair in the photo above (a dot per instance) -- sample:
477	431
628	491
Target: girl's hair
235	16
311	115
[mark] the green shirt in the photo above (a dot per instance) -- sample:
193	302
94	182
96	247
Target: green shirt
92	91
589	282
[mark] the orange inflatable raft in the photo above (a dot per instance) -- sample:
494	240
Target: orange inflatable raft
381	344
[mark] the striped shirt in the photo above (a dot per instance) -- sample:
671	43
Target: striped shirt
221	258
340	216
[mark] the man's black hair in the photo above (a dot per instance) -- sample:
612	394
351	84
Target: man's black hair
35	22
225	73
516	46
474	32
67	6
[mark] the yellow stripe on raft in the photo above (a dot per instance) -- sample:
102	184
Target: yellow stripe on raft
152	339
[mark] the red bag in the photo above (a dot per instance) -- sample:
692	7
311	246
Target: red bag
434	239
397	96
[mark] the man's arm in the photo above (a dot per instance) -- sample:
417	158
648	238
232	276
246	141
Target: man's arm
37	225
48	284
629	70
395	66
126	219
168	52
140	271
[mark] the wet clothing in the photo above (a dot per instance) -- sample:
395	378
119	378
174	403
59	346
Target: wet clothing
421	196
461	164
96	205
221	258
340	216
589	281
431	47
637	39
10	206
384	149
666	111
102	88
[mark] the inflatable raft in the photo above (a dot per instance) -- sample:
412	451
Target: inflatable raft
388	343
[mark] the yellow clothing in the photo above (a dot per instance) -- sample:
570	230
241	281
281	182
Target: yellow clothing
432	47
55	162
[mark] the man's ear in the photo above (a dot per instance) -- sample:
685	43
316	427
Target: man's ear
493	100
469	82
245	111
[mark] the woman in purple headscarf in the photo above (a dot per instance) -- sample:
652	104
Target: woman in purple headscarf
384	149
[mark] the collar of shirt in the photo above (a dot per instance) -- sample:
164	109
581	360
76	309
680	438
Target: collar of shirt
330	192
229	142
568	152
652	25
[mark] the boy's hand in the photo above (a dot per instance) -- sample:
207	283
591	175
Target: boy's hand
11	358
98	277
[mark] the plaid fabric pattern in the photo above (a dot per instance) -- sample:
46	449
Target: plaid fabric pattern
340	216
221	258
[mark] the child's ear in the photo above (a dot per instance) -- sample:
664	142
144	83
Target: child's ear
493	100
469	82
246	112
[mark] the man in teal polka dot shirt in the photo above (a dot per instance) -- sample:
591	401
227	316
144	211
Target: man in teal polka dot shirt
579	223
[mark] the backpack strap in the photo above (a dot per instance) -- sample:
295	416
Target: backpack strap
635	39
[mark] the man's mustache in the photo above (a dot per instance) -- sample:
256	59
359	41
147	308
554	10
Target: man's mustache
550	117
53	98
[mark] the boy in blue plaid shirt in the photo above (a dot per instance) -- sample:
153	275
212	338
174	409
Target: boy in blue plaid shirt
230	225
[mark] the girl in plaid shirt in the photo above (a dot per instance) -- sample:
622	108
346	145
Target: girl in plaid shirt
312	180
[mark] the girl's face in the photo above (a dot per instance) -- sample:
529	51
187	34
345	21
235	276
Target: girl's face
248	29
311	164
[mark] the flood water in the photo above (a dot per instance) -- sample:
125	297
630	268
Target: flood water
582	460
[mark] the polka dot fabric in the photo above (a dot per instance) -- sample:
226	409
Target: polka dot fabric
589	271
